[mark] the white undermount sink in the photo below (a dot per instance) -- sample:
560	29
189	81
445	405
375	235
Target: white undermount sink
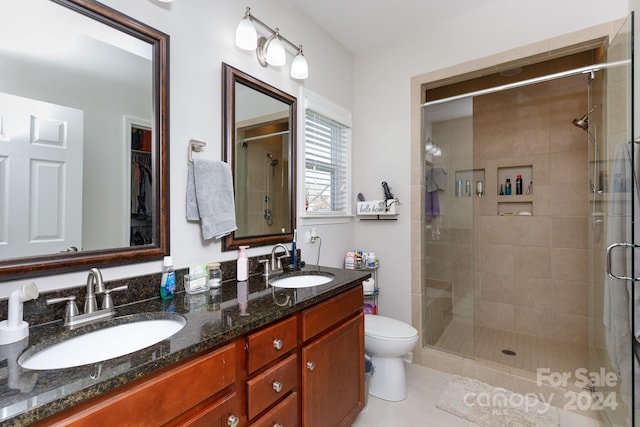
104	344
304	280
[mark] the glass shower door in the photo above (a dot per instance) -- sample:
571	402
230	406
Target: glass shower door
614	209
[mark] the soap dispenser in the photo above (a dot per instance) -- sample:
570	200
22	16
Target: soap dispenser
242	272
15	328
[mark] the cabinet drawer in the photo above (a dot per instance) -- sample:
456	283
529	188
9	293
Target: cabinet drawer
218	413
284	413
265	389
270	343
328	313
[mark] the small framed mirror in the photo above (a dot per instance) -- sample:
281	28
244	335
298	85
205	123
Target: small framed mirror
259	134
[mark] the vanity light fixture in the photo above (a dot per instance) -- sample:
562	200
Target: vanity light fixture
433	149
269	50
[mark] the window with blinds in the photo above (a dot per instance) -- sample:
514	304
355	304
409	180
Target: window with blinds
326	163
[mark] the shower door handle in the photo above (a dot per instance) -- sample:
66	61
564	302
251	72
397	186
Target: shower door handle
609	251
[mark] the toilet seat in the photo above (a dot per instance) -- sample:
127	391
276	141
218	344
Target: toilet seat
386	328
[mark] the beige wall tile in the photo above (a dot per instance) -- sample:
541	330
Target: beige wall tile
497	288
569	167
498	259
570	297
570	232
569	199
532	292
494	315
533	321
496	230
532	261
532	231
570	328
570	264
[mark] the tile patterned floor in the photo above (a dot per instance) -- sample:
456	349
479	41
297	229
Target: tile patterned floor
461	337
419	408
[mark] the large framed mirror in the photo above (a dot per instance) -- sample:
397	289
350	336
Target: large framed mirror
259	134
84	138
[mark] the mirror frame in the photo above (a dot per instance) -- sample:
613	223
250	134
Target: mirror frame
231	76
18	268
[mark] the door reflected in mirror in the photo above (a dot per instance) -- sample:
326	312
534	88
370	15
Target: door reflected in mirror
83	121
259	127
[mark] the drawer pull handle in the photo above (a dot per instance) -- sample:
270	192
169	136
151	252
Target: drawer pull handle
277	386
233	421
311	366
277	344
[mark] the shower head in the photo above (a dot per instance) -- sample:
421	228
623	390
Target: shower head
583	122
272	161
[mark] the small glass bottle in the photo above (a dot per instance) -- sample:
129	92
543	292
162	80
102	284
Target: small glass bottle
507	187
215	274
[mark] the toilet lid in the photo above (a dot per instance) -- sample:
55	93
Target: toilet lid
386	327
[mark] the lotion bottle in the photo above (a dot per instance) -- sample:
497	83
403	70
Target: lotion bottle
242	272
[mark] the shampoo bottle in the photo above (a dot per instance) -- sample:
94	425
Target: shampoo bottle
168	282
242	272
519	184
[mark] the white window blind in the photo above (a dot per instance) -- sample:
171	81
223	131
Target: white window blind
326	157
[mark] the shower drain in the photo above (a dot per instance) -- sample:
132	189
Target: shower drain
509	352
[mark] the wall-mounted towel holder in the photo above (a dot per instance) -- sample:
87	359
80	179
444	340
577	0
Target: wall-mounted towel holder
196	146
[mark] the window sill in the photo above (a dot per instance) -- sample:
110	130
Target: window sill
311	219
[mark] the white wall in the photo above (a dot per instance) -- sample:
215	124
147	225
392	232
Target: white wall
376	90
202	37
382	108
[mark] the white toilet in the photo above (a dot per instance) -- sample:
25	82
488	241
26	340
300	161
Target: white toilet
386	340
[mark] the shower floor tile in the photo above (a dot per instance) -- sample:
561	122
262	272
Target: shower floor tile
482	343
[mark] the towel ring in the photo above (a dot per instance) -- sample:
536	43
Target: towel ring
196	146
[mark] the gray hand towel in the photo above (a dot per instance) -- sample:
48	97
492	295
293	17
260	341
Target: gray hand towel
210	197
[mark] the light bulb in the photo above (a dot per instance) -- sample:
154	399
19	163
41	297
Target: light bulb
246	35
428	147
299	67
275	53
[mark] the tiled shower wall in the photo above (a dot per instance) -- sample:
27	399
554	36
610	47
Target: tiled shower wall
532	272
529	274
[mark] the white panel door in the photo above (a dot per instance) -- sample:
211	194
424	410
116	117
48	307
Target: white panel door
41	164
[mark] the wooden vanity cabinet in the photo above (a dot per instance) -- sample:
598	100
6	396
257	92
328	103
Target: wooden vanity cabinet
332	356
198	392
327	386
306	370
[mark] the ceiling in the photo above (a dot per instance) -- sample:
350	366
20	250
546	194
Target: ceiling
362	25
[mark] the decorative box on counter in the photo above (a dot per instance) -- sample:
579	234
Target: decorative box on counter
377	207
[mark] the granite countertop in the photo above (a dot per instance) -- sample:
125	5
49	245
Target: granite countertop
213	318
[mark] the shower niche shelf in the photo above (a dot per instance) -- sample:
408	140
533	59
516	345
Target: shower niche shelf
515	204
513	208
511	173
472	176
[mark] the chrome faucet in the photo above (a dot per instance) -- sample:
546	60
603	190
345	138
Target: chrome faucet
95	285
277	265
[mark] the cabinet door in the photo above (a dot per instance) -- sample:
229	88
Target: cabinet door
333	376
